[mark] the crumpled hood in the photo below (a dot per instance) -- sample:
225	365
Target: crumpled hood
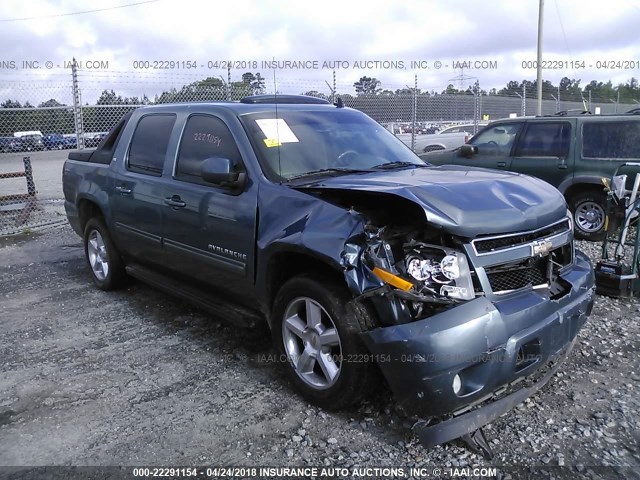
466	201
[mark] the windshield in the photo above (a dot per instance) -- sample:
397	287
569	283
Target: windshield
301	142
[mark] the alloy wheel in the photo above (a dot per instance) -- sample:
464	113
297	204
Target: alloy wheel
312	343
97	253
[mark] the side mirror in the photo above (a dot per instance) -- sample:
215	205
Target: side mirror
219	171
468	151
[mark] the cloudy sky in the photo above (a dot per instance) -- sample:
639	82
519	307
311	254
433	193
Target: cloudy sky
584	32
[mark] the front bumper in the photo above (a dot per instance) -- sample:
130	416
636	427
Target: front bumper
489	345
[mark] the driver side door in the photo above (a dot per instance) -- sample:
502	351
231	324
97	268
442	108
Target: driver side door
209	230
495	145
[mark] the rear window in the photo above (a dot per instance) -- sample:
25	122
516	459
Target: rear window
105	150
611	140
149	144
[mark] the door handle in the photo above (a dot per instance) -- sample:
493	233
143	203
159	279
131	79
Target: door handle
562	166
175	202
123	190
501	164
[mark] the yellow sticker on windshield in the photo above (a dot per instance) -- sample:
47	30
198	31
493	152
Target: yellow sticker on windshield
272	142
277	128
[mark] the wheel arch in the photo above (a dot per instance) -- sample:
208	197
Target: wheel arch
282	265
579	184
88	208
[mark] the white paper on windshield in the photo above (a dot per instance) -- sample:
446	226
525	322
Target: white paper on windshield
277	131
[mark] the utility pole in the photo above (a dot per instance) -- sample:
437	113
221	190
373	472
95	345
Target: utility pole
415	113
539	77
77	105
476	107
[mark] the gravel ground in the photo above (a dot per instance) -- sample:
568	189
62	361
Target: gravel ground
135	377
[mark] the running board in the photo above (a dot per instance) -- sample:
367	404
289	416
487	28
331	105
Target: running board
221	308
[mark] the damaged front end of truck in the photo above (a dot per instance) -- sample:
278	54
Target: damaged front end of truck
471	325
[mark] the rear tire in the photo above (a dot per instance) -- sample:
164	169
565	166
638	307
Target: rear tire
589	214
107	268
315	326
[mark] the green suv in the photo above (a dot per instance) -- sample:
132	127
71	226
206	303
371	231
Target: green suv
572	152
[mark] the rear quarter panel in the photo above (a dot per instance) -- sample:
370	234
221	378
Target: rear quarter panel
83	180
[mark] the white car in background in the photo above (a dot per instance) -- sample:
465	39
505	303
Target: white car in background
450	137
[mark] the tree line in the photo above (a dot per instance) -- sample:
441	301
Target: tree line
212	88
569	88
52	116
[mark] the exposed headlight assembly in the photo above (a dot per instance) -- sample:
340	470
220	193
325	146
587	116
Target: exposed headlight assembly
444	271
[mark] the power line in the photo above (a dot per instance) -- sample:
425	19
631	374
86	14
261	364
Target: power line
566	42
4	20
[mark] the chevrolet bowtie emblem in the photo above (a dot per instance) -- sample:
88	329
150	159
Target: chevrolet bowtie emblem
541	248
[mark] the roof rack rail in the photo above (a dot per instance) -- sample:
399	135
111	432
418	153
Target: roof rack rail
267	99
574	111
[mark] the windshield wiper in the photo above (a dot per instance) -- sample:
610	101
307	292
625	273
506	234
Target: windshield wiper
326	171
390	165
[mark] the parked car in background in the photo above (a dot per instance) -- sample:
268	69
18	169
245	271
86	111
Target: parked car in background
10	144
31	143
54	141
92	140
469	129
572	152
449	137
433	139
70	141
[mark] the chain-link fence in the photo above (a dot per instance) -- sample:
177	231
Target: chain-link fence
22	208
44	118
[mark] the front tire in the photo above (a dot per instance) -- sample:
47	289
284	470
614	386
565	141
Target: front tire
107	268
589	214
315	326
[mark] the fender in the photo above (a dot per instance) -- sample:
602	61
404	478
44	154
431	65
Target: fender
579	180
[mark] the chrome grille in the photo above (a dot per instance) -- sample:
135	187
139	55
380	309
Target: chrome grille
484	246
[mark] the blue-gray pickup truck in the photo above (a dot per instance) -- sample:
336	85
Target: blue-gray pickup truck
460	285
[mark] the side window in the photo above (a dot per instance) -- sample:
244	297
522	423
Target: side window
496	140
149	144
611	140
545	139
204	137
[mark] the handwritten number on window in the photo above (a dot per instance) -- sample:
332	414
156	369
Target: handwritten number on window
207	137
